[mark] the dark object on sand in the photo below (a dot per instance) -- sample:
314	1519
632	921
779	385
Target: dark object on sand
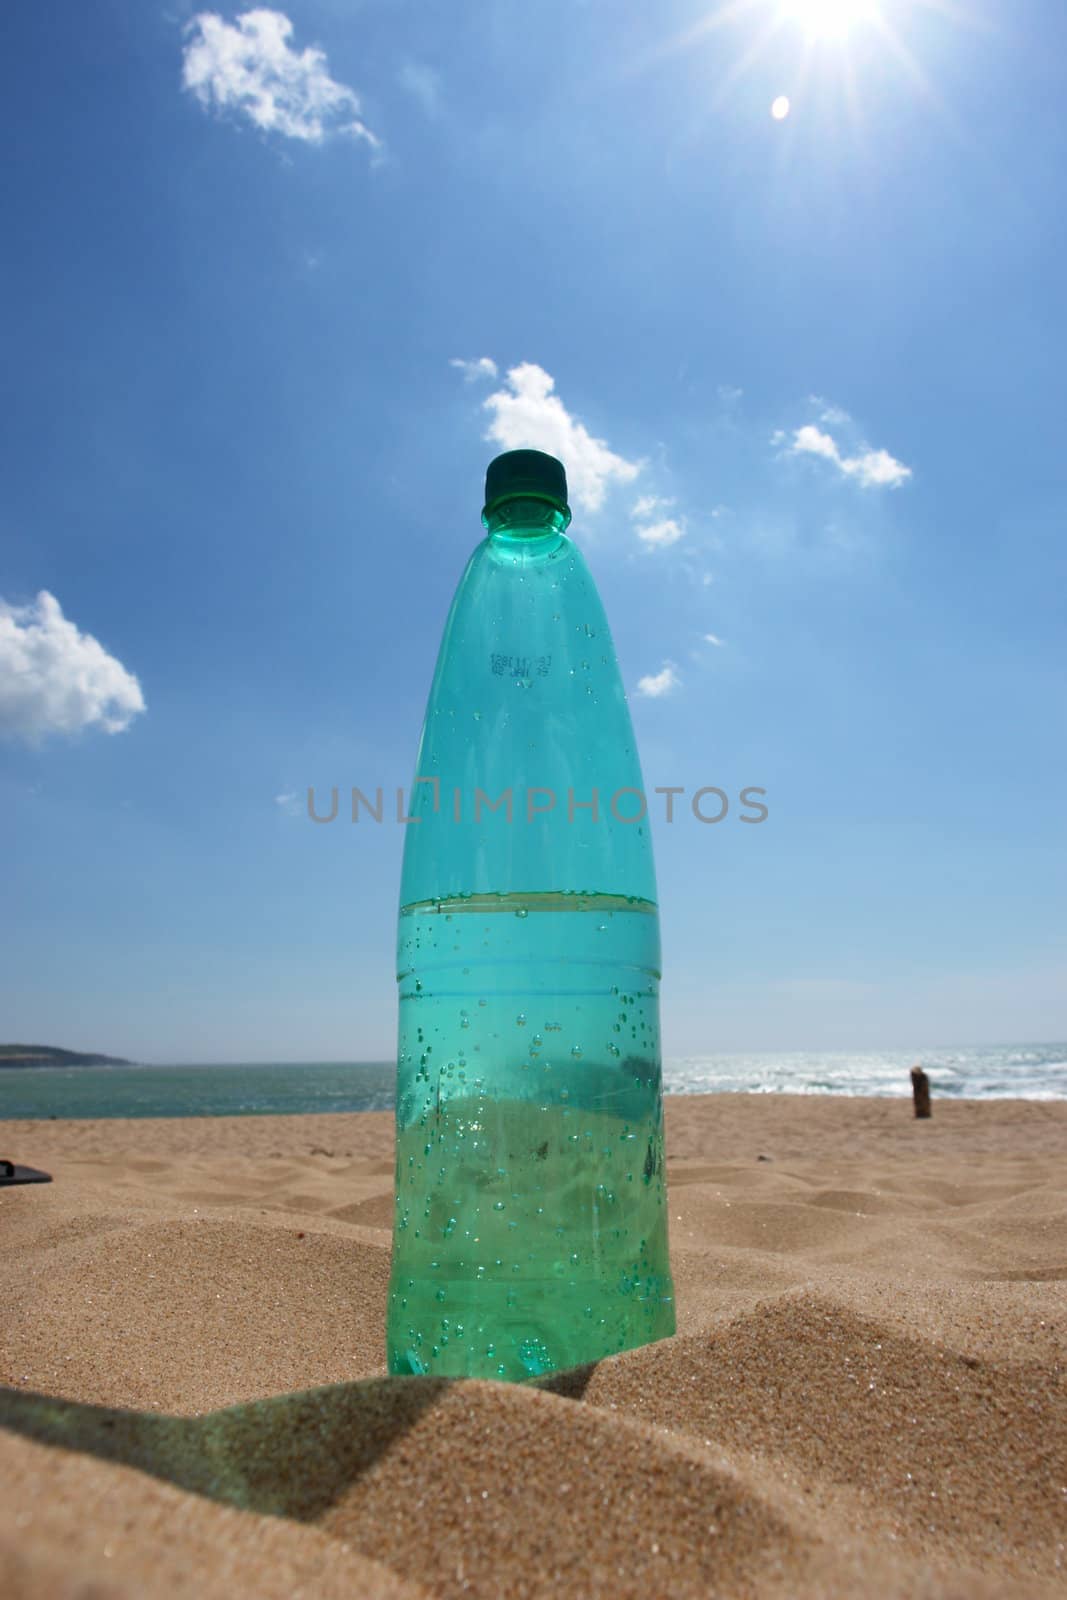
9	1174
920	1089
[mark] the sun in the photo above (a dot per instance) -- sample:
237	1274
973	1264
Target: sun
829	19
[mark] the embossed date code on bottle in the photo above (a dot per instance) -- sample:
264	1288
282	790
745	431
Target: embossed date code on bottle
520	666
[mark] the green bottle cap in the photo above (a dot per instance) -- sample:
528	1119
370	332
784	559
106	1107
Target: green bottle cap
525	474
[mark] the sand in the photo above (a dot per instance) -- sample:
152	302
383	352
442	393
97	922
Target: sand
865	1395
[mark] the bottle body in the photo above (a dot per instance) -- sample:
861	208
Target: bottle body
531	1222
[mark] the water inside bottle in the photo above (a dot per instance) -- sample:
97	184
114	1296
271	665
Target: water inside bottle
531	1229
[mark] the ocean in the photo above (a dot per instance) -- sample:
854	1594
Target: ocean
1023	1071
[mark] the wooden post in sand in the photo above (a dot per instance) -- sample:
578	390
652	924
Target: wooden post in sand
920	1090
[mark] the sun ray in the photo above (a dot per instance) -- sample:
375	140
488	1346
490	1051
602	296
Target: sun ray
966	16
745	61
854	108
717	18
807	60
918	77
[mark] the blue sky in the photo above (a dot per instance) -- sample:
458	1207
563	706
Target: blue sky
806	375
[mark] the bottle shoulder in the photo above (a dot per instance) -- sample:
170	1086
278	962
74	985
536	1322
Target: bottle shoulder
527	746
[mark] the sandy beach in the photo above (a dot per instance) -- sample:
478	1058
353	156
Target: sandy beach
865	1395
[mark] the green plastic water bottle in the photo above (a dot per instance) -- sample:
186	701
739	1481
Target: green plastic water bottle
531	1214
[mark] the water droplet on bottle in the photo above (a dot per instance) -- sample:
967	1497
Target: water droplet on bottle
520	1020
576	1052
522	912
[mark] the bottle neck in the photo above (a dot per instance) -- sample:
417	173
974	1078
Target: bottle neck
525	520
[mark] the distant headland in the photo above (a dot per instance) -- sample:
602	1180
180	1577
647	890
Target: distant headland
48	1055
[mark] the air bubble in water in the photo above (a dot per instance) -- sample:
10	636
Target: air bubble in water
535	1356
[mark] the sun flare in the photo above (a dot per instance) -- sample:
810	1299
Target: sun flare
824	46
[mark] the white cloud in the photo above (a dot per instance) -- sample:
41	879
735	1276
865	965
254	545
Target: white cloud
472	370
527	415
290	805
810	441
871	468
248	66
877	469
647	506
728	395
713	638
661	531
659	683
424	84
708	579
55	679
665	532
834	416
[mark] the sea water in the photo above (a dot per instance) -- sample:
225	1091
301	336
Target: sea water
268	1088
531	1227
